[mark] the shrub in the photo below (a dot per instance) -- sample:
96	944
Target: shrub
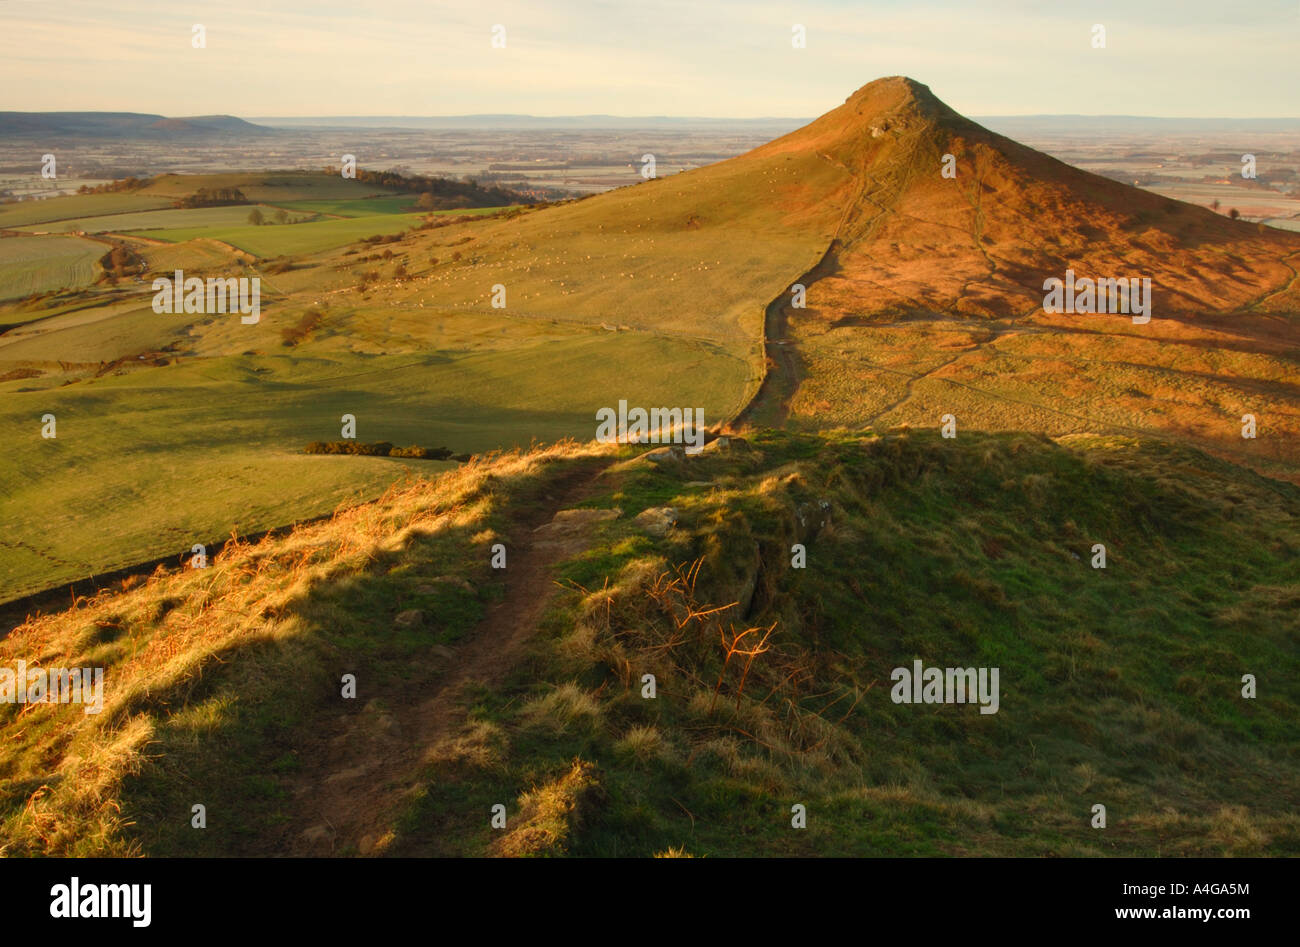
292	335
422	453
381	449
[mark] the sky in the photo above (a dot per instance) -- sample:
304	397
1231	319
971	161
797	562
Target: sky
716	58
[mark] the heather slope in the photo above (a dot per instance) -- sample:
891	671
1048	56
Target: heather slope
930	300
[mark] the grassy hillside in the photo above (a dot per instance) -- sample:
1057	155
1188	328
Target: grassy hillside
1119	686
922	296
930	299
221	438
394	204
31	265
270	187
162	220
25	213
402	334
280	239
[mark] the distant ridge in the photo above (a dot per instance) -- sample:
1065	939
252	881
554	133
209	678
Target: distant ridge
525	122
1005	124
1129	124
122	125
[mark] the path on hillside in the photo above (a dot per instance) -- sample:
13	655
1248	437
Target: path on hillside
770	405
358	770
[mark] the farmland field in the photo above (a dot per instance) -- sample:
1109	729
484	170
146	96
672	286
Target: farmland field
270	187
164	413
278	239
399	204
39	264
26	213
362	207
160	458
181	218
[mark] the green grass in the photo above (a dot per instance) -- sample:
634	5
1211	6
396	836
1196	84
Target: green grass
38	264
363	207
219	438
270	187
164	220
1118	686
281	239
479	378
397	204
183	709
25	213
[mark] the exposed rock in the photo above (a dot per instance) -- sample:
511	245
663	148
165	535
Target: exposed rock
812	519
569	520
435	585
443	652
657	520
726	443
411	618
317	833
355	772
665	455
567	531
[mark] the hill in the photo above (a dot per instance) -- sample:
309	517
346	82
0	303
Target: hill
1094	531
930	299
924	299
773	676
924	293
122	125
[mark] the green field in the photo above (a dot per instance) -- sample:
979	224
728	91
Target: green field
26	213
189	218
280	239
271	187
364	207
399	204
38	264
160	458
411	345
277	188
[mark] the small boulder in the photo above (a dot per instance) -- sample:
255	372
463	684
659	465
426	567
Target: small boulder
726	444
657	520
569	531
436	584
411	618
317	833
813	518
666	455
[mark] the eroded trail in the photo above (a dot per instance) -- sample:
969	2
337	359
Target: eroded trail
770	405
368	758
